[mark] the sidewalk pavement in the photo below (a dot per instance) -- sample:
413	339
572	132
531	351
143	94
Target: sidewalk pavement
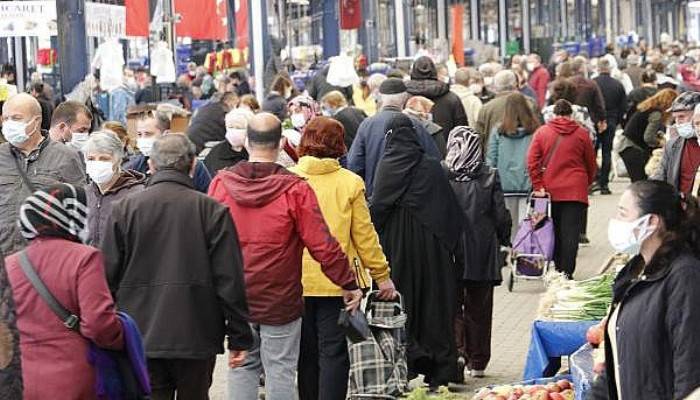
514	312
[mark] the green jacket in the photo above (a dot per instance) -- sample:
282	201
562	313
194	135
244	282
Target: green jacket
508	154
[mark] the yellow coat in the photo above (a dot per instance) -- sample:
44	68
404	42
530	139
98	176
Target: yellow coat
341	196
368	105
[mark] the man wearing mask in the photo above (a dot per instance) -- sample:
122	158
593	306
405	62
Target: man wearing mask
173	262
70	124
277	216
208	123
539	78
149	128
29	161
681	157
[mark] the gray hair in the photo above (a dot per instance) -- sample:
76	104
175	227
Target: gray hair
105	142
396	100
173	152
375	80
505	81
604	65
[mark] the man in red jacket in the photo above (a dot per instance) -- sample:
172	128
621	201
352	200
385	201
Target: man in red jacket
277	216
539	78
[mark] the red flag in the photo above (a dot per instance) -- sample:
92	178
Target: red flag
136	17
241	24
350	14
202	19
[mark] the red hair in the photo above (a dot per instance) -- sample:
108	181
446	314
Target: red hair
323	138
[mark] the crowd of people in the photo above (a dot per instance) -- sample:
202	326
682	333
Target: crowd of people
261	222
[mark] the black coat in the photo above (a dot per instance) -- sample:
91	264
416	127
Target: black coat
277	105
208	124
173	263
350	118
614	96
448	111
635	98
223	156
488	224
658	328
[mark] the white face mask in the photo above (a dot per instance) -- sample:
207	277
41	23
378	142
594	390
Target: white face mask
298	120
476	88
686	130
236	136
145	145
627	237
530	66
15	132
78	139
99	171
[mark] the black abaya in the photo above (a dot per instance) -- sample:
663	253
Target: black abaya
419	223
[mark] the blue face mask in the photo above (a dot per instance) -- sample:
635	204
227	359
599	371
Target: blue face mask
686	130
327	112
15	132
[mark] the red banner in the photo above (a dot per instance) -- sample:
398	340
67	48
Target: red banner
241	24
202	19
457	30
350	14
136	17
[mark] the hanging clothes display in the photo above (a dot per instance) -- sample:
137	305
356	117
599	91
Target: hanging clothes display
109	59
163	63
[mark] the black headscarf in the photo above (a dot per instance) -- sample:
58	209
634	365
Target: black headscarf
407	177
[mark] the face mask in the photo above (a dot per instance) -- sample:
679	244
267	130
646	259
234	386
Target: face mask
623	238
327	112
15	132
99	171
235	136
145	145
686	130
476	88
530	66
78	139
298	120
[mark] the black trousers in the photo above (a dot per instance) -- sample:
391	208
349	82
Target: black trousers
473	324
605	144
635	160
323	360
568	218
189	379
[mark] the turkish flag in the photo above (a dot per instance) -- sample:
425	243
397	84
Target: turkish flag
350	14
241	24
136	17
202	19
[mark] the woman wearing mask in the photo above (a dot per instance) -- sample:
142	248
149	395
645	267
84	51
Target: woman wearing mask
110	183
652	346
323	360
644	131
229	152
55	358
276	100
420	225
336	106
561	162
301	110
507	152
487	228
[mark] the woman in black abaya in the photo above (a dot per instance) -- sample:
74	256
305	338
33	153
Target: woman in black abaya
419	222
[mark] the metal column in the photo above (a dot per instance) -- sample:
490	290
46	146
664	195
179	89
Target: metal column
400	28
72	43
20	72
649	20
564	20
257	46
502	28
474	16
331	29
608	21
441	19
526	25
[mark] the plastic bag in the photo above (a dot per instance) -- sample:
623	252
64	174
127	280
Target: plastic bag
342	72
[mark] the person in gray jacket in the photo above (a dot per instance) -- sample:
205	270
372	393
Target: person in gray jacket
681	156
29	160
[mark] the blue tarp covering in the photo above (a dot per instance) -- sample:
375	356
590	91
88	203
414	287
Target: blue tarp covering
551	340
581	366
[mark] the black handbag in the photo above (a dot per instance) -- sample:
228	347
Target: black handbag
355	325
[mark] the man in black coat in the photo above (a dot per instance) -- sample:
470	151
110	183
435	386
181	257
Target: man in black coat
615	107
208	123
173	263
448	110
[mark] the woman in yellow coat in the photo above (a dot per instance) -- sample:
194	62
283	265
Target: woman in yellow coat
323	361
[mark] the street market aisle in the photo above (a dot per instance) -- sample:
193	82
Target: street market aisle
514	312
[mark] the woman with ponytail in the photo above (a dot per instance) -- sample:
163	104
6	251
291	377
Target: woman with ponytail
652	335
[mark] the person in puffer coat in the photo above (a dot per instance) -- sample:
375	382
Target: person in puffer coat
448	111
110	183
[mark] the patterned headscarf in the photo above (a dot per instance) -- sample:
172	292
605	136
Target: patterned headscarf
464	153
58	211
304	104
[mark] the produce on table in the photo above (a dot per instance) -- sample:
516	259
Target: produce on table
567	300
560	390
595	335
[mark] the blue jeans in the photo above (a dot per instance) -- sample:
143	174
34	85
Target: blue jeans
275	351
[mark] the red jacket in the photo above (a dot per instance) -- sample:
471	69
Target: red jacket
572	166
276	214
539	80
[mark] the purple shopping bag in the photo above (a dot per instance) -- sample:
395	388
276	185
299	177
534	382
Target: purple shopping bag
534	242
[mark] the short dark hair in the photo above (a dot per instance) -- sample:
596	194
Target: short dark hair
281	83
563	108
38	87
563	89
173	152
323	138
648	76
67	112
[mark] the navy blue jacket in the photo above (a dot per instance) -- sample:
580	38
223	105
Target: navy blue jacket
202	177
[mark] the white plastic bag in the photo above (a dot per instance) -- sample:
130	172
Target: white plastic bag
342	72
